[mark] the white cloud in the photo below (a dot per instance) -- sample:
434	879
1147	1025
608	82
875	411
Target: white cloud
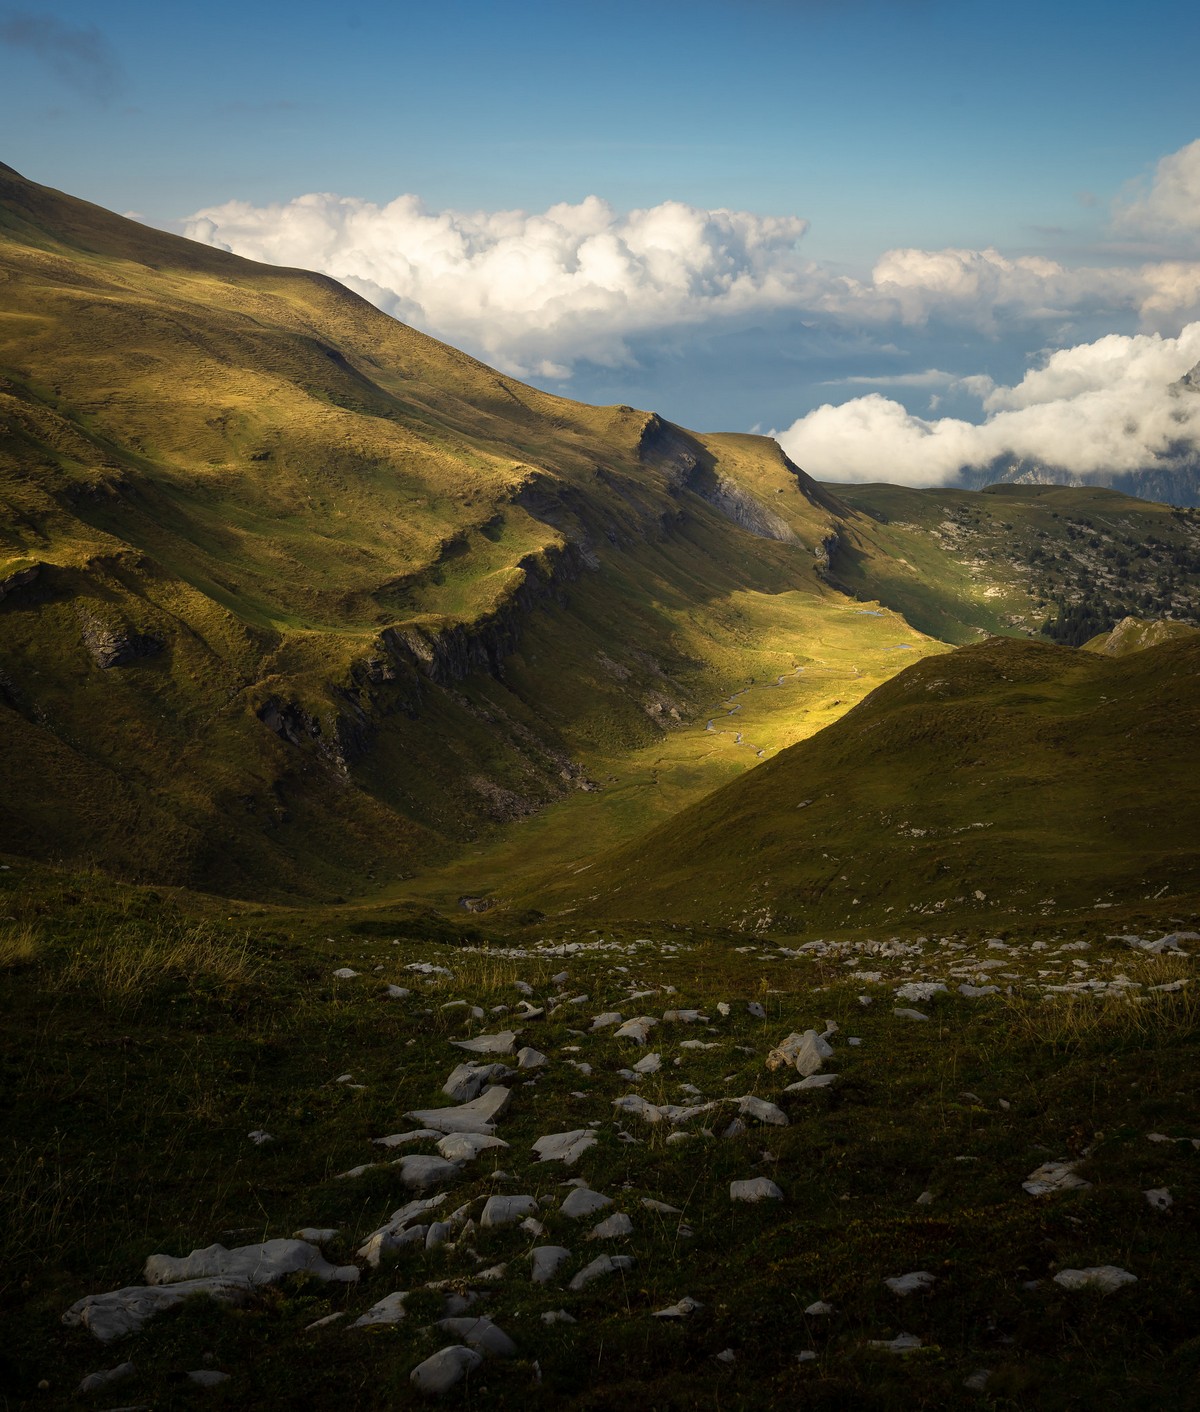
1106	406
532	292
1168	209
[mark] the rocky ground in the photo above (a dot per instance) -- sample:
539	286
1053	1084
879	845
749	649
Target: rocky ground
920	1170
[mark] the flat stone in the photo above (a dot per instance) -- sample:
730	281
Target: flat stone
648	1064
389	1310
602	1265
482	1334
316	1235
530	1058
813	1081
607	1020
478	1116
584	1202
919	990
1105	1278
819	1309
678	1311
764	1112
420	1172
397	992
345	974
403	1139
638	1029
755	1189
96	1382
124	1311
501	1043
547	1260
467	1081
683	1017
660	1207
506	1210
257	1264
616	1227
444	1369
915	1283
1052	1177
903	1013
566	1148
465	1147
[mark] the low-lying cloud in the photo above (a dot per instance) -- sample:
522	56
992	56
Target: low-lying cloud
1106	406
534	293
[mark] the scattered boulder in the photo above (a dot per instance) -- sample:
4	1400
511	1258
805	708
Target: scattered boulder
465	1147
1105	1278
482	1334
478	1116
638	1029
762	1110
256	1264
602	1265
124	1311
678	1311
1052	1177
616	1227
755	1189
915	1283
1159	1197
420	1172
388	1310
444	1369
97	1382
501	1043
506	1210
584	1202
530	1058
566	1148
547	1260
468	1080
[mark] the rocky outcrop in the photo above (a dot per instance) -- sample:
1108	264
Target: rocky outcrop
115	644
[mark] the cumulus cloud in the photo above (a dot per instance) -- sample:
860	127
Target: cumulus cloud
1168	208
1107	406
532	292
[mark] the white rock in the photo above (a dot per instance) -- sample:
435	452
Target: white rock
1053	1177
638	1029
755	1009
919	990
813	1081
683	1017
547	1260
616	1227
388	1310
819	1308
678	1311
444	1369
345	974
648	1064
696	1044
478	1116
755	1189
972	992
584	1202
727	1355
1159	1197
762	1110
925	1199
482	1334
257	1264
566	1148
420	1172
316	1235
467	1081
557	1316
325	1321
260	1136
723	1008
507	1210
403	1139
124	1311
530	1058
607	1020
95	1382
397	992
902	1343
978	1380
660	1207
602	1265
501	1043
915	1283
465	1147
905	1014
207	1377
1105	1278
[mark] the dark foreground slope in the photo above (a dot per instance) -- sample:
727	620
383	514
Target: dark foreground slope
294	598
1000	781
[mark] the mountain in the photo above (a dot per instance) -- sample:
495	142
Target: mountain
991	784
294	599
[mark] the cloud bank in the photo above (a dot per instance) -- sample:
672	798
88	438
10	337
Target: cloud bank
534	293
1107	406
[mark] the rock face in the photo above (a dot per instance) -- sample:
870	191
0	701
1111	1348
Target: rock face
116	645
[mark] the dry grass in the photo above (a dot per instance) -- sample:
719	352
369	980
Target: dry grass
124	964
20	945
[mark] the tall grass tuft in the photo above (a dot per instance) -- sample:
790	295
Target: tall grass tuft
20	945
124	964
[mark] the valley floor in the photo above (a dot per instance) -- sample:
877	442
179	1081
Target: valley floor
178	1077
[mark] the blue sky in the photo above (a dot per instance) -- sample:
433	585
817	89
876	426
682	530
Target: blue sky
914	125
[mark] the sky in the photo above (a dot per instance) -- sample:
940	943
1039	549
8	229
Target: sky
904	235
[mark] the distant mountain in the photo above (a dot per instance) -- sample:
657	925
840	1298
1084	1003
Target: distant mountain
1173	481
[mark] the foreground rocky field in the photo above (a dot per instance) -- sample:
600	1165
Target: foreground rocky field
923	1169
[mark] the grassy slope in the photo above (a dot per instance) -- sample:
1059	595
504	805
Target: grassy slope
1037	776
310	505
